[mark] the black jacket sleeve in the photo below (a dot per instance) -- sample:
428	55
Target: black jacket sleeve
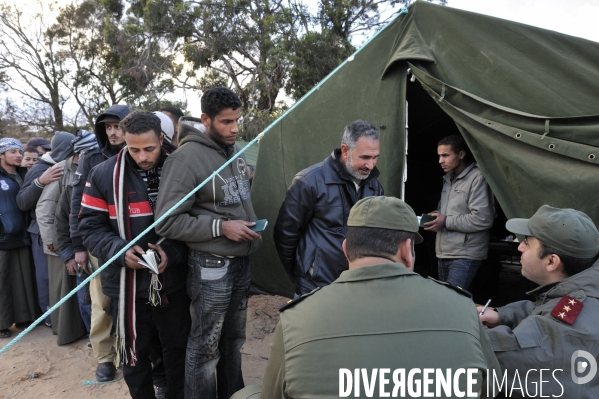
176	251
294	215
61	223
31	190
83	170
94	224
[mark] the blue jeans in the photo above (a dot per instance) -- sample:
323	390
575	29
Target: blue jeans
85	302
458	272
219	292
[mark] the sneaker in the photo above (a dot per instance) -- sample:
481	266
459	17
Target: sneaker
89	344
105	372
48	324
160	392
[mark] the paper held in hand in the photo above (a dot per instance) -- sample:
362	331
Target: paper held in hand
150	260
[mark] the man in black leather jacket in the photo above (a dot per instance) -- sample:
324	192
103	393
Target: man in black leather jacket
312	221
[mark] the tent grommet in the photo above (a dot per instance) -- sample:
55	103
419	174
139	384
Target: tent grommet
592	157
551	146
488	123
518	135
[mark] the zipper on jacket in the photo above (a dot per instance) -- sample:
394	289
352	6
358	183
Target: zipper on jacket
249	243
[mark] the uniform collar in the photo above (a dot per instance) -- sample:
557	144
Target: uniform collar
382	270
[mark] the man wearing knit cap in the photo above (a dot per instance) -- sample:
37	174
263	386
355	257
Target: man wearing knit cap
168	129
175	114
557	332
17	275
44	172
381	317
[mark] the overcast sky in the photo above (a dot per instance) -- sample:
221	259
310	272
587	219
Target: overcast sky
573	17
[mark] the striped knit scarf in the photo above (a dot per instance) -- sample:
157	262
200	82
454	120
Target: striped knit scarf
126	334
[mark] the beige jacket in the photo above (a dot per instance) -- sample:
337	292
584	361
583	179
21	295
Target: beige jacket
469	209
46	205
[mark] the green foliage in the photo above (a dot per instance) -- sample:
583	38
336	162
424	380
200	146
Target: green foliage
138	52
315	56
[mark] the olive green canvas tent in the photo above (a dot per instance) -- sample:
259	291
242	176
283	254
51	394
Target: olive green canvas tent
525	99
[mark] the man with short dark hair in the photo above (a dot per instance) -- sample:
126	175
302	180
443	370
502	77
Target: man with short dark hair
312	221
215	224
560	252
378	317
110	139
464	216
117	206
29	157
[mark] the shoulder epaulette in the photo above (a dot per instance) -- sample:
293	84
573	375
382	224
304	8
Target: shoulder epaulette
453	287
293	302
567	309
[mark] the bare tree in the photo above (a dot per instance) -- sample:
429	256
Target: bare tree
30	65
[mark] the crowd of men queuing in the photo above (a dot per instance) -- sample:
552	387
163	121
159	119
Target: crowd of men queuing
69	206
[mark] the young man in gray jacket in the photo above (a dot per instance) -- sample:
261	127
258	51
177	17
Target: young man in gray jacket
215	224
464	216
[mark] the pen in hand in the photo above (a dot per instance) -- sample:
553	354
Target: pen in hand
485	307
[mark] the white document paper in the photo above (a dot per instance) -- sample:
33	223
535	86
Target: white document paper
149	261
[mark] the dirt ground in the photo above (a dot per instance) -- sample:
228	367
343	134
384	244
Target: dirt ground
38	368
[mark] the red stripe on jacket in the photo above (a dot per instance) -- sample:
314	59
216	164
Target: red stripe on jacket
141	208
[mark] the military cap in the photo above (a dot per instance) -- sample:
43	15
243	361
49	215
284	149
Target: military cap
566	230
384	213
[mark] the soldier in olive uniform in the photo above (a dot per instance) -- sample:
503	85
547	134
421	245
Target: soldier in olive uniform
544	340
379	316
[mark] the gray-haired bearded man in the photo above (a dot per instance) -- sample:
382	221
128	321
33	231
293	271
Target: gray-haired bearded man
312	221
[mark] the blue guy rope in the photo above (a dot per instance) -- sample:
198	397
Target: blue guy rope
192	192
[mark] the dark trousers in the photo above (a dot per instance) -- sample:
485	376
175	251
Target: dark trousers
219	291
40	260
85	302
172	324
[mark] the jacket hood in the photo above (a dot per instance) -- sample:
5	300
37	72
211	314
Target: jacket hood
192	129
61	146
115	112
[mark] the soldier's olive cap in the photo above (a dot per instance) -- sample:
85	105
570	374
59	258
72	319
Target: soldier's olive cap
384	213
566	230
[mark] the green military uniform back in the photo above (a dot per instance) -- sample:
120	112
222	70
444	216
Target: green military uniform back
382	316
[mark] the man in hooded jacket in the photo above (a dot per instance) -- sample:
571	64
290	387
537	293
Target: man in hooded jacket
110	141
215	225
44	172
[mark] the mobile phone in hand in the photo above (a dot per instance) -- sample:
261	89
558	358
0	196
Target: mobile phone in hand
260	225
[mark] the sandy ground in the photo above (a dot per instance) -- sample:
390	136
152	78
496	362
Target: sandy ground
37	368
